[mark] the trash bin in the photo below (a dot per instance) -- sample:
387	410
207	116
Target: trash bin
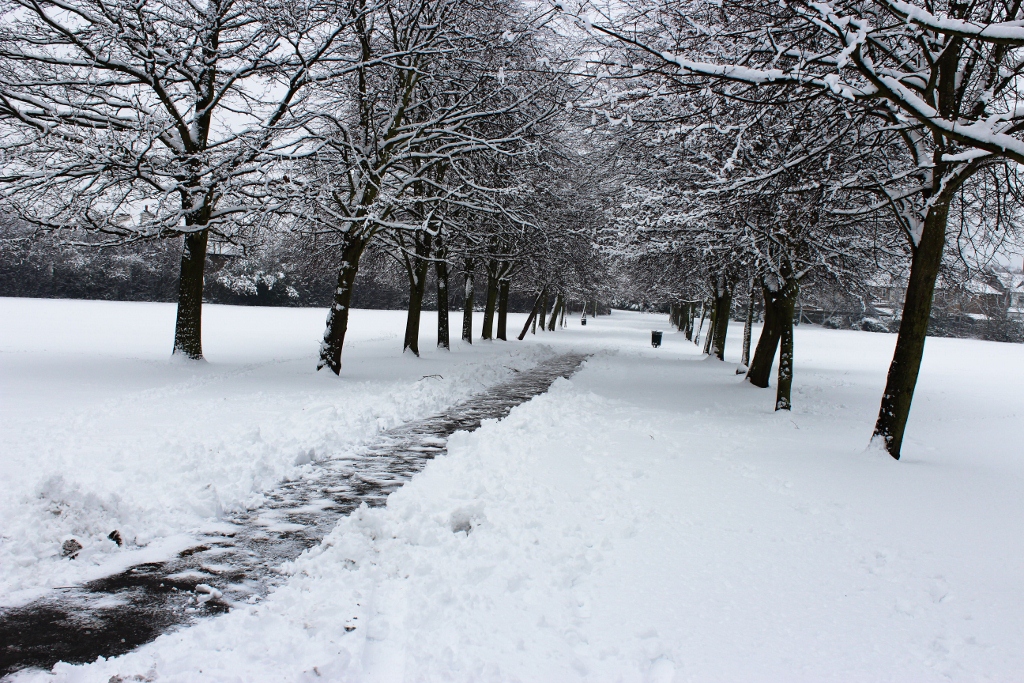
583	321
655	338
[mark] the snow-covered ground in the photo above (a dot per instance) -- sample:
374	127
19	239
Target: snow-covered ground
652	519
101	430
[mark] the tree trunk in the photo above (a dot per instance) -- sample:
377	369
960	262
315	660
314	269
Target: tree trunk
554	313
417	271
720	328
917	308
441	271
467	307
542	314
785	306
747	324
764	354
700	326
492	300
711	327
337	318
188	327
532	320
417	286
503	287
688	311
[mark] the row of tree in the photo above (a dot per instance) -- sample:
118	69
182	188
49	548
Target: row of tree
655	151
784	142
419	131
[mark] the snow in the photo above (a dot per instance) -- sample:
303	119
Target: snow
1005	31
101	430
651	519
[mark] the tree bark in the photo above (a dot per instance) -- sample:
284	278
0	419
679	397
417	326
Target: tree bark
700	326
532	320
747	325
188	327
542	314
441	271
417	271
917	308
492	300
720	327
503	287
467	307
711	327
689	312
412	320
786	305
554	313
337	318
764	354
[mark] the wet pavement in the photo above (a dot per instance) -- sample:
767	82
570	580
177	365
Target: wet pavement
236	562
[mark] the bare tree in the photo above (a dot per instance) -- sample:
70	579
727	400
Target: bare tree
433	81
944	76
153	119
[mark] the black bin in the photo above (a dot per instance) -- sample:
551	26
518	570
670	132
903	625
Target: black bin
583	321
655	338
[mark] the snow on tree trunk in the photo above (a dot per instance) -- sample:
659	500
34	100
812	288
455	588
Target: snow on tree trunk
786	305
720	327
709	337
748	323
337	318
700	326
532	320
554	313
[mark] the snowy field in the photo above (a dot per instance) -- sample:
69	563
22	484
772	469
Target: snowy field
652	519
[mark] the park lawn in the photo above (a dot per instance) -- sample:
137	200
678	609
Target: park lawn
651	519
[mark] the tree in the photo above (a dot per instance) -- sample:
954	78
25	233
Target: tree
431	83
776	194
942	75
154	119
